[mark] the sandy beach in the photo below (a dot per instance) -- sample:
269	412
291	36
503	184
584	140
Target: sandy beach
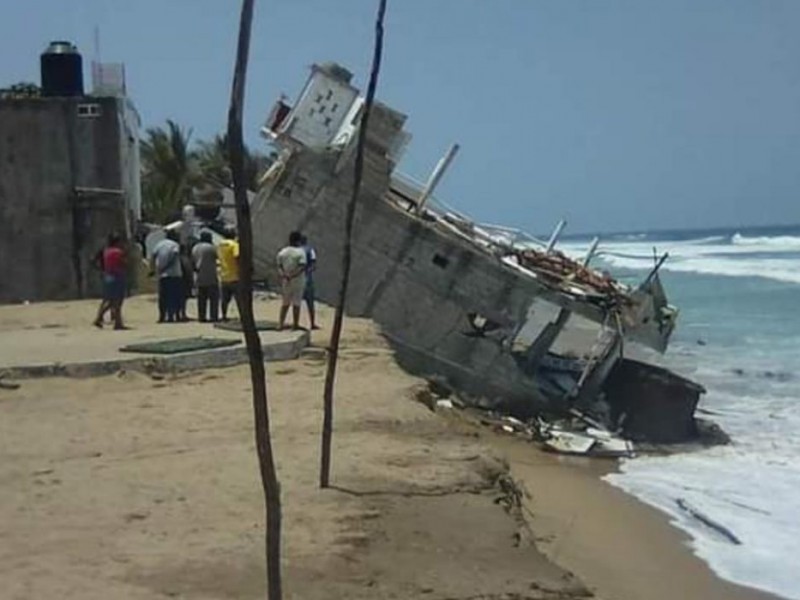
138	486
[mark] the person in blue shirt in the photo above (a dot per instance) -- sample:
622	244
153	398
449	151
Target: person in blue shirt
308	292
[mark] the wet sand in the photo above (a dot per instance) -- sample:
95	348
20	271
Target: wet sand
620	547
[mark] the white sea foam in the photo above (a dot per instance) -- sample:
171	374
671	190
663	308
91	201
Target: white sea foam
752	486
776	257
785	241
750	367
754	495
787	270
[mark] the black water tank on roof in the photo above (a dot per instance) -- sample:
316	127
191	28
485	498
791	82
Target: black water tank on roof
62	70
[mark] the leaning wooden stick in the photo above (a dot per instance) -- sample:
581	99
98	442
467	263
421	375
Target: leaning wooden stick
244	299
336	331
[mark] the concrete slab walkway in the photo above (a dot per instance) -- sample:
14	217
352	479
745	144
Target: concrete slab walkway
57	338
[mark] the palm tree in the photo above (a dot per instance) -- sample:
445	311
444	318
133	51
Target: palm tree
213	161
168	171
174	174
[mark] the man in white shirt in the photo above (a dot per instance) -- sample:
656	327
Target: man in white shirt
165	262
291	262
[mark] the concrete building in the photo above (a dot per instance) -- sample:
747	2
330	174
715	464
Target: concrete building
69	175
457	302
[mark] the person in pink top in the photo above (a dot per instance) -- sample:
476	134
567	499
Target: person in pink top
114	266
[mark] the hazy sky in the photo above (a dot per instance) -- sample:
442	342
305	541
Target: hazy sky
617	115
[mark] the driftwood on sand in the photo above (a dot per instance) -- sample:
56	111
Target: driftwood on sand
708	521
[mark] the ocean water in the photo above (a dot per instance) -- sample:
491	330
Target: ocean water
738	335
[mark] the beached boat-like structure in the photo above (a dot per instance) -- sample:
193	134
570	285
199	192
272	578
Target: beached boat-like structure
499	315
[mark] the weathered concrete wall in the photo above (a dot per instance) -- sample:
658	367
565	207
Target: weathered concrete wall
48	235
416	283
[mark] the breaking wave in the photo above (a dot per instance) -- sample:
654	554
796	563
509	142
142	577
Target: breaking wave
732	255
783	241
785	270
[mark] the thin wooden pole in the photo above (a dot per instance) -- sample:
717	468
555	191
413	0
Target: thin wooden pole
244	300
336	331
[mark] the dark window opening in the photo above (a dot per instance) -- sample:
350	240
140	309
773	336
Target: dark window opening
88	110
441	261
329	95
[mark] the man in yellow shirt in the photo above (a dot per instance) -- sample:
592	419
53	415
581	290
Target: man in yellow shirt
228	253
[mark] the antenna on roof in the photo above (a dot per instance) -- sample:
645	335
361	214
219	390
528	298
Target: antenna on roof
97	43
96	59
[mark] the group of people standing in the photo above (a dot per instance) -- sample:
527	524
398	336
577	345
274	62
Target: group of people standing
213	270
